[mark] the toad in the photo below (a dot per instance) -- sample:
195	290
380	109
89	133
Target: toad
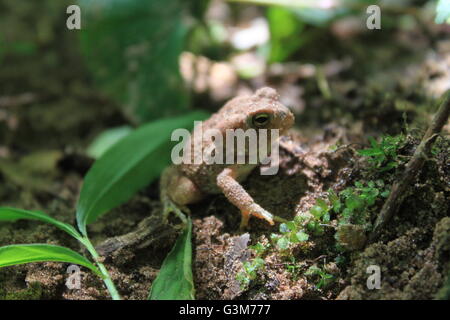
188	183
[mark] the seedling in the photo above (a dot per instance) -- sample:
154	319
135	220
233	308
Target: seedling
383	155
324	278
251	268
353	203
293	268
26	253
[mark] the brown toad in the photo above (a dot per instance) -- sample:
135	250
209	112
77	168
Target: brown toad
184	184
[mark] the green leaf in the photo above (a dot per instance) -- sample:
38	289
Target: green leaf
106	140
132	48
291	226
385	193
285	29
284	228
175	281
26	253
259	248
390	165
443	11
354	202
129	165
274	237
317	211
374	143
302	236
283	243
12	214
313	270
321	203
370	152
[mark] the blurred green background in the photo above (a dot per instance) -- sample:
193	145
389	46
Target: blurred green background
136	61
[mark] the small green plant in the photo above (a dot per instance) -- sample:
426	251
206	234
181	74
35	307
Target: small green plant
251	267
291	232
293	268
321	213
303	225
250	271
324	278
353	203
383	155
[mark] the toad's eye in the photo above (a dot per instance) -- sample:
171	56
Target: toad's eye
260	120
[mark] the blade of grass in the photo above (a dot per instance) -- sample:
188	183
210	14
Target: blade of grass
27	253
12	214
175	281
19	254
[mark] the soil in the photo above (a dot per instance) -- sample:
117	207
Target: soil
386	86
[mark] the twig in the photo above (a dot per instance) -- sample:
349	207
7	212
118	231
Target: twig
400	187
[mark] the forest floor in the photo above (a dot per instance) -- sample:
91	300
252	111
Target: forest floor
371	88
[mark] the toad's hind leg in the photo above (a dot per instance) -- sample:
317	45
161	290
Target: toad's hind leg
176	191
236	194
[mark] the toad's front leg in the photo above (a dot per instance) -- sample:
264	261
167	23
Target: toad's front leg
236	194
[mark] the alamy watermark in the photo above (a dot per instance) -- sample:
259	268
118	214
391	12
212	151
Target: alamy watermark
237	146
374	280
374	19
74	279
73	22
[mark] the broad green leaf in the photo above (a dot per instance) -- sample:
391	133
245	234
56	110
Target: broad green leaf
283	243
107	139
129	165
26	253
321	203
284	228
12	214
132	48
443	11
284	28
291	226
317	211
302	236
175	281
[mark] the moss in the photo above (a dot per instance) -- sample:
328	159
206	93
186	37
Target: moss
444	293
441	240
33	292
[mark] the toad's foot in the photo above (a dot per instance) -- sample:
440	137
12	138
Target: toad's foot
234	192
258	212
